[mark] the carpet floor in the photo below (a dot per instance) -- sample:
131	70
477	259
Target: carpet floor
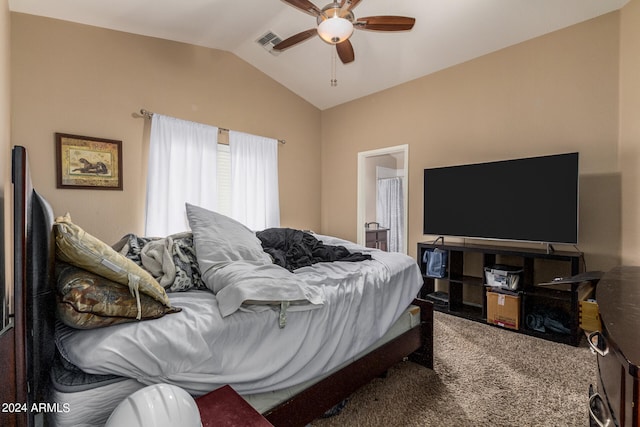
483	376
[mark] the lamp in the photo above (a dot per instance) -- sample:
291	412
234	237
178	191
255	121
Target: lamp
335	24
335	30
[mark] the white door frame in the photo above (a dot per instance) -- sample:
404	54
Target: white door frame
362	157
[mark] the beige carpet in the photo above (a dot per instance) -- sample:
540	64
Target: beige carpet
483	376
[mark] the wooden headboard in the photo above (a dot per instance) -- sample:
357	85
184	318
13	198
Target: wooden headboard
34	295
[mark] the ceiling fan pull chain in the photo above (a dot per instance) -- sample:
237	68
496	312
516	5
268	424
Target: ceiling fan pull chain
334	81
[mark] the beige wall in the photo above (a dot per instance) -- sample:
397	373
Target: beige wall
5	160
89	81
556	93
572	90
630	130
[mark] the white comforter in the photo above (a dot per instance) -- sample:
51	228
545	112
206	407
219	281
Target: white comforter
200	350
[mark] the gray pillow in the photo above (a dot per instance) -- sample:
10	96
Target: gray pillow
220	240
240	283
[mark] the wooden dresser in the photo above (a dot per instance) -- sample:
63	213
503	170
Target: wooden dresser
617	400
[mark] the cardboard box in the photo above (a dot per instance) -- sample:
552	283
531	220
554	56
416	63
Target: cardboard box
503	310
590	316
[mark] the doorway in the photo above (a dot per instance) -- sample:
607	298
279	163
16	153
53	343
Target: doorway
373	167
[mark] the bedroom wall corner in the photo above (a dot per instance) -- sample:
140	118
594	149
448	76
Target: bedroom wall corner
6	239
629	150
90	81
7	332
553	94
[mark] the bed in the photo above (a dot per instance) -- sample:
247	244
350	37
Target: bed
297	362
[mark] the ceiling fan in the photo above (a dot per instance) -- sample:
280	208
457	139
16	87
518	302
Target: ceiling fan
336	23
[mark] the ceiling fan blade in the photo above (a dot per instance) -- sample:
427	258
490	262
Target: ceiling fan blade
295	39
352	4
385	23
345	51
305	6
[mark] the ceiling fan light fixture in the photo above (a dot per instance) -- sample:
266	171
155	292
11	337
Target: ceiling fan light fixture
335	30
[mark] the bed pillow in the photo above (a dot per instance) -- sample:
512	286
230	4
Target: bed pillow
244	283
79	248
220	240
89	301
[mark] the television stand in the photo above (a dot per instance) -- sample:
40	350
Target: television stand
463	290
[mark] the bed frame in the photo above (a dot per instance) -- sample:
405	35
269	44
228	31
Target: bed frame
34	297
35	316
415	344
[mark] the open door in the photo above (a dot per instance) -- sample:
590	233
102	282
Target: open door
373	167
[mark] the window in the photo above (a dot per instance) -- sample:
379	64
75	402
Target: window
188	164
224	180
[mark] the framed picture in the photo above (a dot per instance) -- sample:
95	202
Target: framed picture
87	162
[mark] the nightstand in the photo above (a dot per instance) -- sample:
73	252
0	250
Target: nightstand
223	407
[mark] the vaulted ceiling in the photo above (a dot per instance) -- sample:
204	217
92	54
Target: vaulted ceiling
446	32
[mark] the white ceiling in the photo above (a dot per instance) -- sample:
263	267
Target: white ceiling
447	32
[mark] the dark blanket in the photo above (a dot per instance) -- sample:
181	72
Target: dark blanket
293	249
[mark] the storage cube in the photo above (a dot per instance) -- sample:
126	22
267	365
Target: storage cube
503	310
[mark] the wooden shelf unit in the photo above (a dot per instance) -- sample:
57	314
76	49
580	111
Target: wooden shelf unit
462	292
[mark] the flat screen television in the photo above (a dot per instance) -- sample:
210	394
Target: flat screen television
531	200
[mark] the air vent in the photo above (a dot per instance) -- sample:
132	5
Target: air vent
268	41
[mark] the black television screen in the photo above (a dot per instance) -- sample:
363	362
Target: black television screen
533	199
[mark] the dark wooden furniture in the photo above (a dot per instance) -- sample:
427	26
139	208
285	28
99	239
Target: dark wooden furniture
377	238
34	298
224	407
303	408
35	310
617	401
464	285
8	374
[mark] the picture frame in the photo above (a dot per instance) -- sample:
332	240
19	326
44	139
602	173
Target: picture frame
85	162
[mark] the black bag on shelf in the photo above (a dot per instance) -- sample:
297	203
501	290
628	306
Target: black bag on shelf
435	261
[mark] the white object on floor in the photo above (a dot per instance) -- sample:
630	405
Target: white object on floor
158	405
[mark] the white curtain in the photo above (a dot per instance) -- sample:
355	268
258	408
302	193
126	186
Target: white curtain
254	180
182	168
390	210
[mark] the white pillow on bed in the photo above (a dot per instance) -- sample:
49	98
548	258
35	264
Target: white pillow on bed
244	282
235	267
219	240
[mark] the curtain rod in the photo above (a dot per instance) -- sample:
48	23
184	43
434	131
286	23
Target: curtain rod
149	114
